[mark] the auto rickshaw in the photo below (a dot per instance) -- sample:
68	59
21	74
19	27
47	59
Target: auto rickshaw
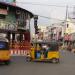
39	52
4	51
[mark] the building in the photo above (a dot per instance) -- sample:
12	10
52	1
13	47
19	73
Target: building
14	22
42	35
70	31
55	32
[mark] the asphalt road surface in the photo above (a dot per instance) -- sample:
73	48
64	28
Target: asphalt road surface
20	67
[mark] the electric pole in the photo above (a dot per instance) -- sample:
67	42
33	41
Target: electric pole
65	26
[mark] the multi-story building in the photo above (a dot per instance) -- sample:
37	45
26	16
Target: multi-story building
55	32
14	21
70	31
42	35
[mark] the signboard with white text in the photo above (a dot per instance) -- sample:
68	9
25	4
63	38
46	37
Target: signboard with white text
3	11
9	1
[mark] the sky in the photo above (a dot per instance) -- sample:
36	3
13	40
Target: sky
53	12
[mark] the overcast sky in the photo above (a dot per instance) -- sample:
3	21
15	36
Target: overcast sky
48	11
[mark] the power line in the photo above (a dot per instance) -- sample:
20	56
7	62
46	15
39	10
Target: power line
30	3
50	18
56	19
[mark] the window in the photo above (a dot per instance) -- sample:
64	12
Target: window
2	16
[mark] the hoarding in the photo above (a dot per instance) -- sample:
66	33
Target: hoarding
68	37
3	11
8	1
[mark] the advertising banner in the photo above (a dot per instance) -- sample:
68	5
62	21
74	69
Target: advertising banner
68	37
7	1
3	11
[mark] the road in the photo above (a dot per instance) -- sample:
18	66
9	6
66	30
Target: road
20	67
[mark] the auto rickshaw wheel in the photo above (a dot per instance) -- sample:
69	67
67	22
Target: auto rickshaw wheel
7	62
55	60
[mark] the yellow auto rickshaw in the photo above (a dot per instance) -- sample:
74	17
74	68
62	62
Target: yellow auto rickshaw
4	51
45	51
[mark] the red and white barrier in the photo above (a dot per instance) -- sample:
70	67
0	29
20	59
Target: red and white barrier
19	52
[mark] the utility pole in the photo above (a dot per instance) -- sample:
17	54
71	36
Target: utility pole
36	29
35	25
65	26
66	17
29	27
73	16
